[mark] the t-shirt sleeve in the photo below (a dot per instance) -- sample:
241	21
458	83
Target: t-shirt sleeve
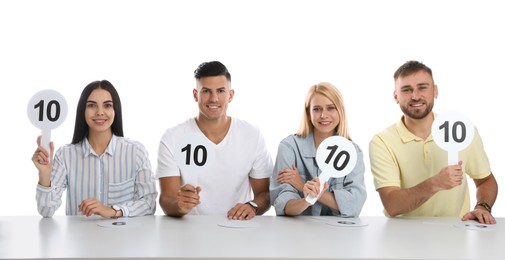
262	165
383	164
167	165
477	165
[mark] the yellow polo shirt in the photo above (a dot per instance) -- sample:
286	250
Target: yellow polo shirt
399	158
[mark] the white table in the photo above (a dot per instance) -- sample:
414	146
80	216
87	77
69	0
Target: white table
199	237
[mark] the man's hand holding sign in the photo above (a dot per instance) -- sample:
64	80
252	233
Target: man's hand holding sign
194	154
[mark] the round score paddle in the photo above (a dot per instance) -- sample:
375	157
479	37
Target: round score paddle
47	110
452	132
194	154
336	157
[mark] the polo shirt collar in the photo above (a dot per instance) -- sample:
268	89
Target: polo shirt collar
406	135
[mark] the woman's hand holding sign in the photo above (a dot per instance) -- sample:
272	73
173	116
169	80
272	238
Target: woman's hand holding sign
336	157
47	110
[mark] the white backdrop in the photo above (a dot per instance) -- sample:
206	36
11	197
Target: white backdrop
275	50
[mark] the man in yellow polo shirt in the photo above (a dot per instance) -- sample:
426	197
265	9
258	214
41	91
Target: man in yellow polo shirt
411	172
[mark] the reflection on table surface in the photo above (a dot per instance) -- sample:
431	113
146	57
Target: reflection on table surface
215	237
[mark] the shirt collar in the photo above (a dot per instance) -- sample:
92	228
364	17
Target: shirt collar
88	150
308	148
408	136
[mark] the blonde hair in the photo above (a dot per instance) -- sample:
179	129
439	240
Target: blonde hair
333	94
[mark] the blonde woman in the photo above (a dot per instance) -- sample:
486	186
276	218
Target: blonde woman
296	172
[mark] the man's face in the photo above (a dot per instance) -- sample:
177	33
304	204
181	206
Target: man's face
213	95
416	94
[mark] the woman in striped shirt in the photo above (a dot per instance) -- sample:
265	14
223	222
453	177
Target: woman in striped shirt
104	173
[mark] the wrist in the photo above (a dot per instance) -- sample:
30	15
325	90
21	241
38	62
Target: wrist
117	211
484	206
46	182
299	187
253	205
434	185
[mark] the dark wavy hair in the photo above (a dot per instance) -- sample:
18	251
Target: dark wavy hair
211	69
81	127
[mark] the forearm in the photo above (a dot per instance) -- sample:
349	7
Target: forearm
350	201
398	201
295	207
281	195
487	190
261	191
146	205
45	174
44	180
263	201
48	200
170	207
328	199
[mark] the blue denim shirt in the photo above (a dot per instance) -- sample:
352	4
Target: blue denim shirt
349	191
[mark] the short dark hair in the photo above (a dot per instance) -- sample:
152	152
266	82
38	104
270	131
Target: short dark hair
211	69
81	127
410	67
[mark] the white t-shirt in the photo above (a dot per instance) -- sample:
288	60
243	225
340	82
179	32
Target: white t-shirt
240	155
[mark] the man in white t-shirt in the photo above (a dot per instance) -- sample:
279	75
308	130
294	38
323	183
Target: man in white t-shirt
242	165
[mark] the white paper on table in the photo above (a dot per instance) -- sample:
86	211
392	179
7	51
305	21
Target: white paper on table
239	224
347	222
120	223
472	225
341	222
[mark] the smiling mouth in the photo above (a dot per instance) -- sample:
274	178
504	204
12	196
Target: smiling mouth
99	121
416	105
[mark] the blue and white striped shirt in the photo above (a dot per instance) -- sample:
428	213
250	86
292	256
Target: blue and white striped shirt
121	176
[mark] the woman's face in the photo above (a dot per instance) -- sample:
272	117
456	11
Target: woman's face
99	112
323	115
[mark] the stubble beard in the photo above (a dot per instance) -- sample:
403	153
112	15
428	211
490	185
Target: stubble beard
417	113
